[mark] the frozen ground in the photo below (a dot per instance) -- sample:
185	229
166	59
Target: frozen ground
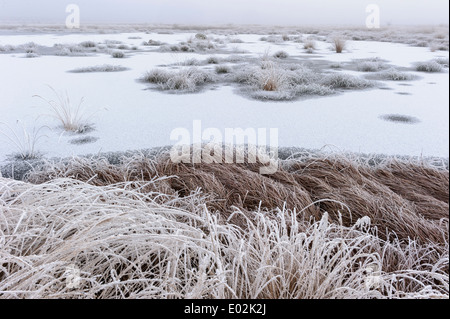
127	115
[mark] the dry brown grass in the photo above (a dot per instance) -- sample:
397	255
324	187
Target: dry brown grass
339	44
408	199
151	228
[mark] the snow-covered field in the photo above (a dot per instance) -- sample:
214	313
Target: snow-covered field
127	115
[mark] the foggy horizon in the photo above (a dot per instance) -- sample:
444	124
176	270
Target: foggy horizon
262	12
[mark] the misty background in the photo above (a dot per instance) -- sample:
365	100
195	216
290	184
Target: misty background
281	12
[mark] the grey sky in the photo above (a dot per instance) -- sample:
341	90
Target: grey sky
291	12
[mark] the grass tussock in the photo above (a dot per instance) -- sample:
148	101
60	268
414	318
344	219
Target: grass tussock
199	43
153	43
187	80
345	81
283	82
281	55
430	67
442	61
118	54
149	228
339	44
392	74
88	44
309	46
6	48
398	118
371	65
72	117
100	68
23	139
223	69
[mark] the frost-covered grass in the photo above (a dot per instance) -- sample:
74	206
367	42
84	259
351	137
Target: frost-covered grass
281	55
338	43
442	61
429	66
213	60
32	55
31	50
185	80
23	140
223	69
118	54
371	65
399	118
392	74
100	68
193	44
280	82
309	45
71	50
88	44
152	43
72	117
274	81
336	65
149	228
272	39
345	81
6	48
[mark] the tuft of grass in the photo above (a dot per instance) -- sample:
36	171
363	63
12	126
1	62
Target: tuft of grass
156	76
371	65
118	54
223	69
338	43
185	80
152	43
309	46
271	78
235	40
6	48
345	81
442	61
70	50
392	74
190	62
201	36
336	65
193	44
398	118
430	67
32	55
281	55
72	117
272	81
100	68
265	95
272	39
314	89
24	140
88	44
213	60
